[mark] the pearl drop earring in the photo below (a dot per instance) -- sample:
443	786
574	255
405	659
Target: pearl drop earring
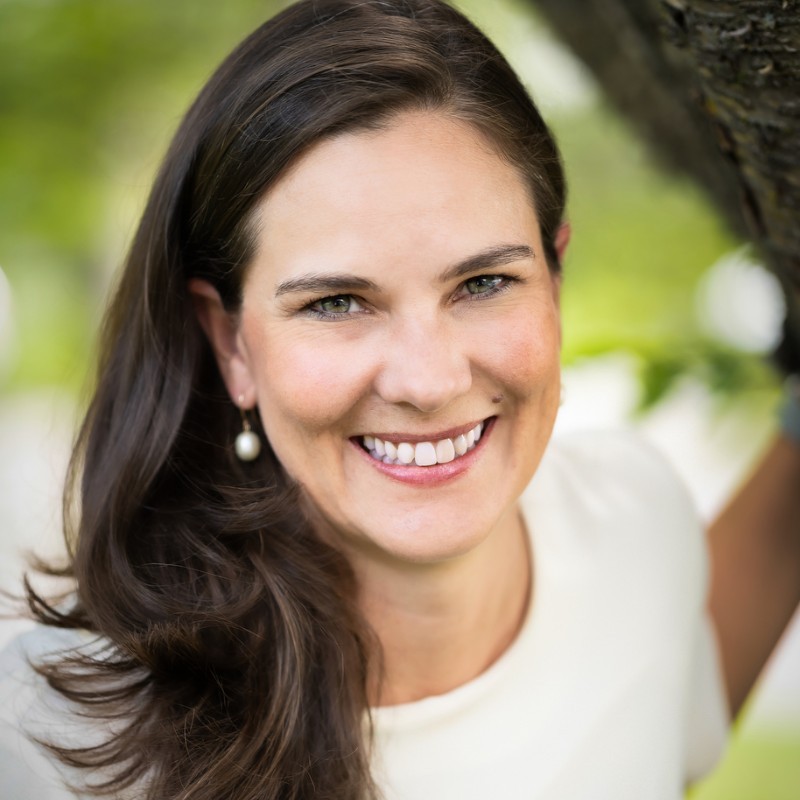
247	444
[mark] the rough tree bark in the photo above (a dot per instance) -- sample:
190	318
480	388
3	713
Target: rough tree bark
714	86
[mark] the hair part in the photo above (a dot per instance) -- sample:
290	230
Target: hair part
236	660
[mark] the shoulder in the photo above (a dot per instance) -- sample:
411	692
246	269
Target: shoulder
39	641
26	649
36	645
612	475
30	710
618	467
617	536
611	499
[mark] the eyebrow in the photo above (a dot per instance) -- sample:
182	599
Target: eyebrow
488	259
341	283
321	282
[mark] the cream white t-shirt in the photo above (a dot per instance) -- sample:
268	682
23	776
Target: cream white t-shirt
612	688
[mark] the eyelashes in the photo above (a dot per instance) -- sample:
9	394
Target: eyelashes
339	307
485	285
336	305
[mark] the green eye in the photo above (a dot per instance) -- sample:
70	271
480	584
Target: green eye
483	284
339	304
343	306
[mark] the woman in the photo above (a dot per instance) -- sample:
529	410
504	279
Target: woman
328	375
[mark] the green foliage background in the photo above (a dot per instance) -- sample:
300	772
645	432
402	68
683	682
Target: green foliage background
90	91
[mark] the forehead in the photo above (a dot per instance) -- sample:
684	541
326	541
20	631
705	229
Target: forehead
425	187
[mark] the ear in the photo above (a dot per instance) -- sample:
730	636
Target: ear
561	241
222	331
563	235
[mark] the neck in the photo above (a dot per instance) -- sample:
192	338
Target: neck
441	625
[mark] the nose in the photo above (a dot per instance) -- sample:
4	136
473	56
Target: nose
426	365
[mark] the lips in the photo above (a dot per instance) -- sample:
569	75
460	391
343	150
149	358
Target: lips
423	453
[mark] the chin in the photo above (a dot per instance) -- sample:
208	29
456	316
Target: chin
422	538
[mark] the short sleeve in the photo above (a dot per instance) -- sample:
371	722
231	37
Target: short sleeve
708	716
656	548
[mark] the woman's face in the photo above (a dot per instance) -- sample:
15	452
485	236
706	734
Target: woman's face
399	299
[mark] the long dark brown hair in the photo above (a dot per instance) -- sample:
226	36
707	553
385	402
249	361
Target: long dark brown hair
234	660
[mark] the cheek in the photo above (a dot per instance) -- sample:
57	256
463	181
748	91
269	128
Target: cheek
526	353
304	387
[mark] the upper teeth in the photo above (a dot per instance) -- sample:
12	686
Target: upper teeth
423	454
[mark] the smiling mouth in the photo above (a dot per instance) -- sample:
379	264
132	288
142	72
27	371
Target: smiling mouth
423	454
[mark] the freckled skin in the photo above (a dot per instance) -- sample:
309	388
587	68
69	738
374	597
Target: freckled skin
398	207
